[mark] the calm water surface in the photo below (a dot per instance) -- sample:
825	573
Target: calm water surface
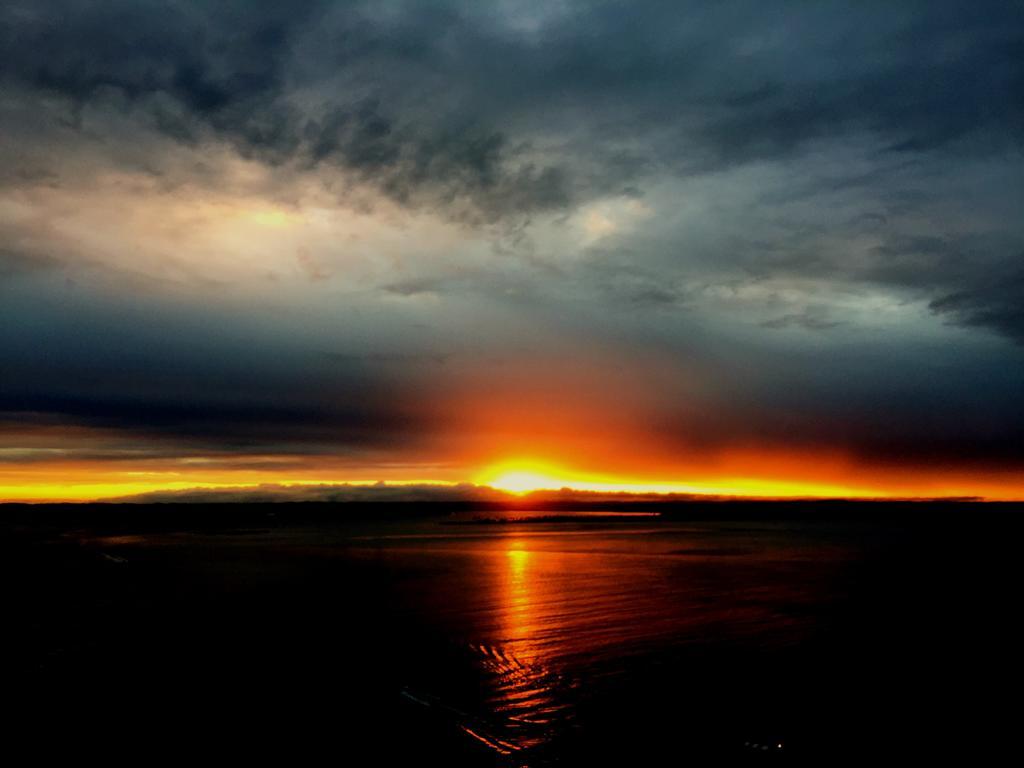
549	614
539	643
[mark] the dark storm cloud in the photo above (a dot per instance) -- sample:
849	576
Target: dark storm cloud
997	304
904	407
450	105
255	424
221	62
196	380
224	71
905	421
895	131
976	282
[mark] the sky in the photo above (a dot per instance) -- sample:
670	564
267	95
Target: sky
734	247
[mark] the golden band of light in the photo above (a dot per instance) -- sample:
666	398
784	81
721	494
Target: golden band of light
93	481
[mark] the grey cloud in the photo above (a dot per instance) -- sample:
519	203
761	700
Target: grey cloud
17	262
858	149
448	106
809	320
997	305
974	281
223	72
193	379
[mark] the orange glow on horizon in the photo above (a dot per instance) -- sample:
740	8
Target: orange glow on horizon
523	477
515	433
751	474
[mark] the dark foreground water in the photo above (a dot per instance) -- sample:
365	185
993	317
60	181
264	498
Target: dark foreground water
432	640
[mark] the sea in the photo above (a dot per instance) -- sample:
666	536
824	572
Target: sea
825	635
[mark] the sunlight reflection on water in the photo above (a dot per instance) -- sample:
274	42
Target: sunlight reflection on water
543	608
520	632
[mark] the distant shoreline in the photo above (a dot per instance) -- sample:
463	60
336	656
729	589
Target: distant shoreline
197	516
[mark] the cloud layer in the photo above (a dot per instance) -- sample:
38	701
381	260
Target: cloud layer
375	230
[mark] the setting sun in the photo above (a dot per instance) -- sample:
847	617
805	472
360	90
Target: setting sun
522	477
